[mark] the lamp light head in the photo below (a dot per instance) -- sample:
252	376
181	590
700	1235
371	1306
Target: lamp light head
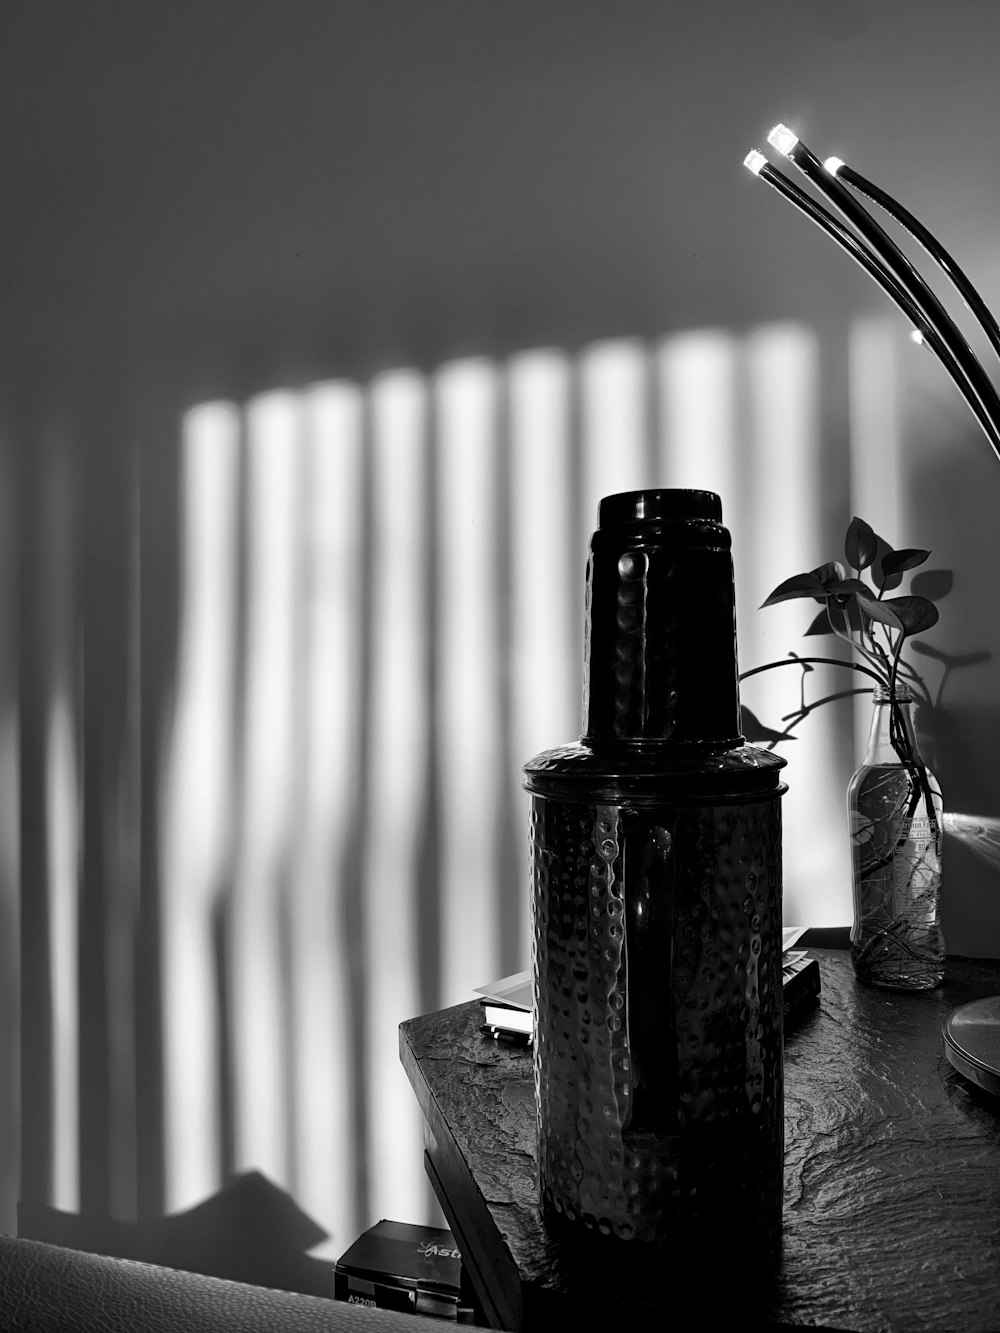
783	139
755	161
833	165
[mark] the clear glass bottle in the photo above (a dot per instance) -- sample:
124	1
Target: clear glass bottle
895	811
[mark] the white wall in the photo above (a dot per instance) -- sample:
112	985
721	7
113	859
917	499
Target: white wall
214	199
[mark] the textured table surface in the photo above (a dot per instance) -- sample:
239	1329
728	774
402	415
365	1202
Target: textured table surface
892	1173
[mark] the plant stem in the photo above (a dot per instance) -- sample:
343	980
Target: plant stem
823	661
920	790
877	661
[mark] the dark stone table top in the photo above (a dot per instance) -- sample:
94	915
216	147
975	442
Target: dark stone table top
892	1173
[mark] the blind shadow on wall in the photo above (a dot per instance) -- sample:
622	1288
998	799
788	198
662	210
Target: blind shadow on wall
280	663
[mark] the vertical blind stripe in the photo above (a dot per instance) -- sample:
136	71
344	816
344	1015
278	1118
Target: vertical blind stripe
396	548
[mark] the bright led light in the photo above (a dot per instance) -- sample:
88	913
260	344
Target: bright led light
783	139
833	164
754	161
917	337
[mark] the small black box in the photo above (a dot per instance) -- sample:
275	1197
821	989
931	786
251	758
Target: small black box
398	1266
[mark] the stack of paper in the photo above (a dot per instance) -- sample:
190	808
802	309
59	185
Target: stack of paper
507	1003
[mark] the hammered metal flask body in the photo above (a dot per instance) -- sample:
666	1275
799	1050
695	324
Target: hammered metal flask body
655	853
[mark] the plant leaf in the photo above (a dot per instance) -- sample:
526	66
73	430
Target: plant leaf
860	544
884	581
932	583
820	623
799	585
896	561
880	611
832	572
845	618
847	587
915	613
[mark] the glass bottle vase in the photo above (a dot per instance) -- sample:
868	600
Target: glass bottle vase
895	815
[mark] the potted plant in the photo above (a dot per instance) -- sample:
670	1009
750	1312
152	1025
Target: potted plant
894	800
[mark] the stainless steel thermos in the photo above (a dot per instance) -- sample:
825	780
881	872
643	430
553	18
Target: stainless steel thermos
655	853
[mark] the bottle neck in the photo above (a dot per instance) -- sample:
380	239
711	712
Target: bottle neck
892	739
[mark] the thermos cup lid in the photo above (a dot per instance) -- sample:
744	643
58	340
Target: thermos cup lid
660	651
661	689
658	506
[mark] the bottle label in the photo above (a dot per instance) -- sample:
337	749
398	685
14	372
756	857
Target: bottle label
888	746
917	830
917	864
